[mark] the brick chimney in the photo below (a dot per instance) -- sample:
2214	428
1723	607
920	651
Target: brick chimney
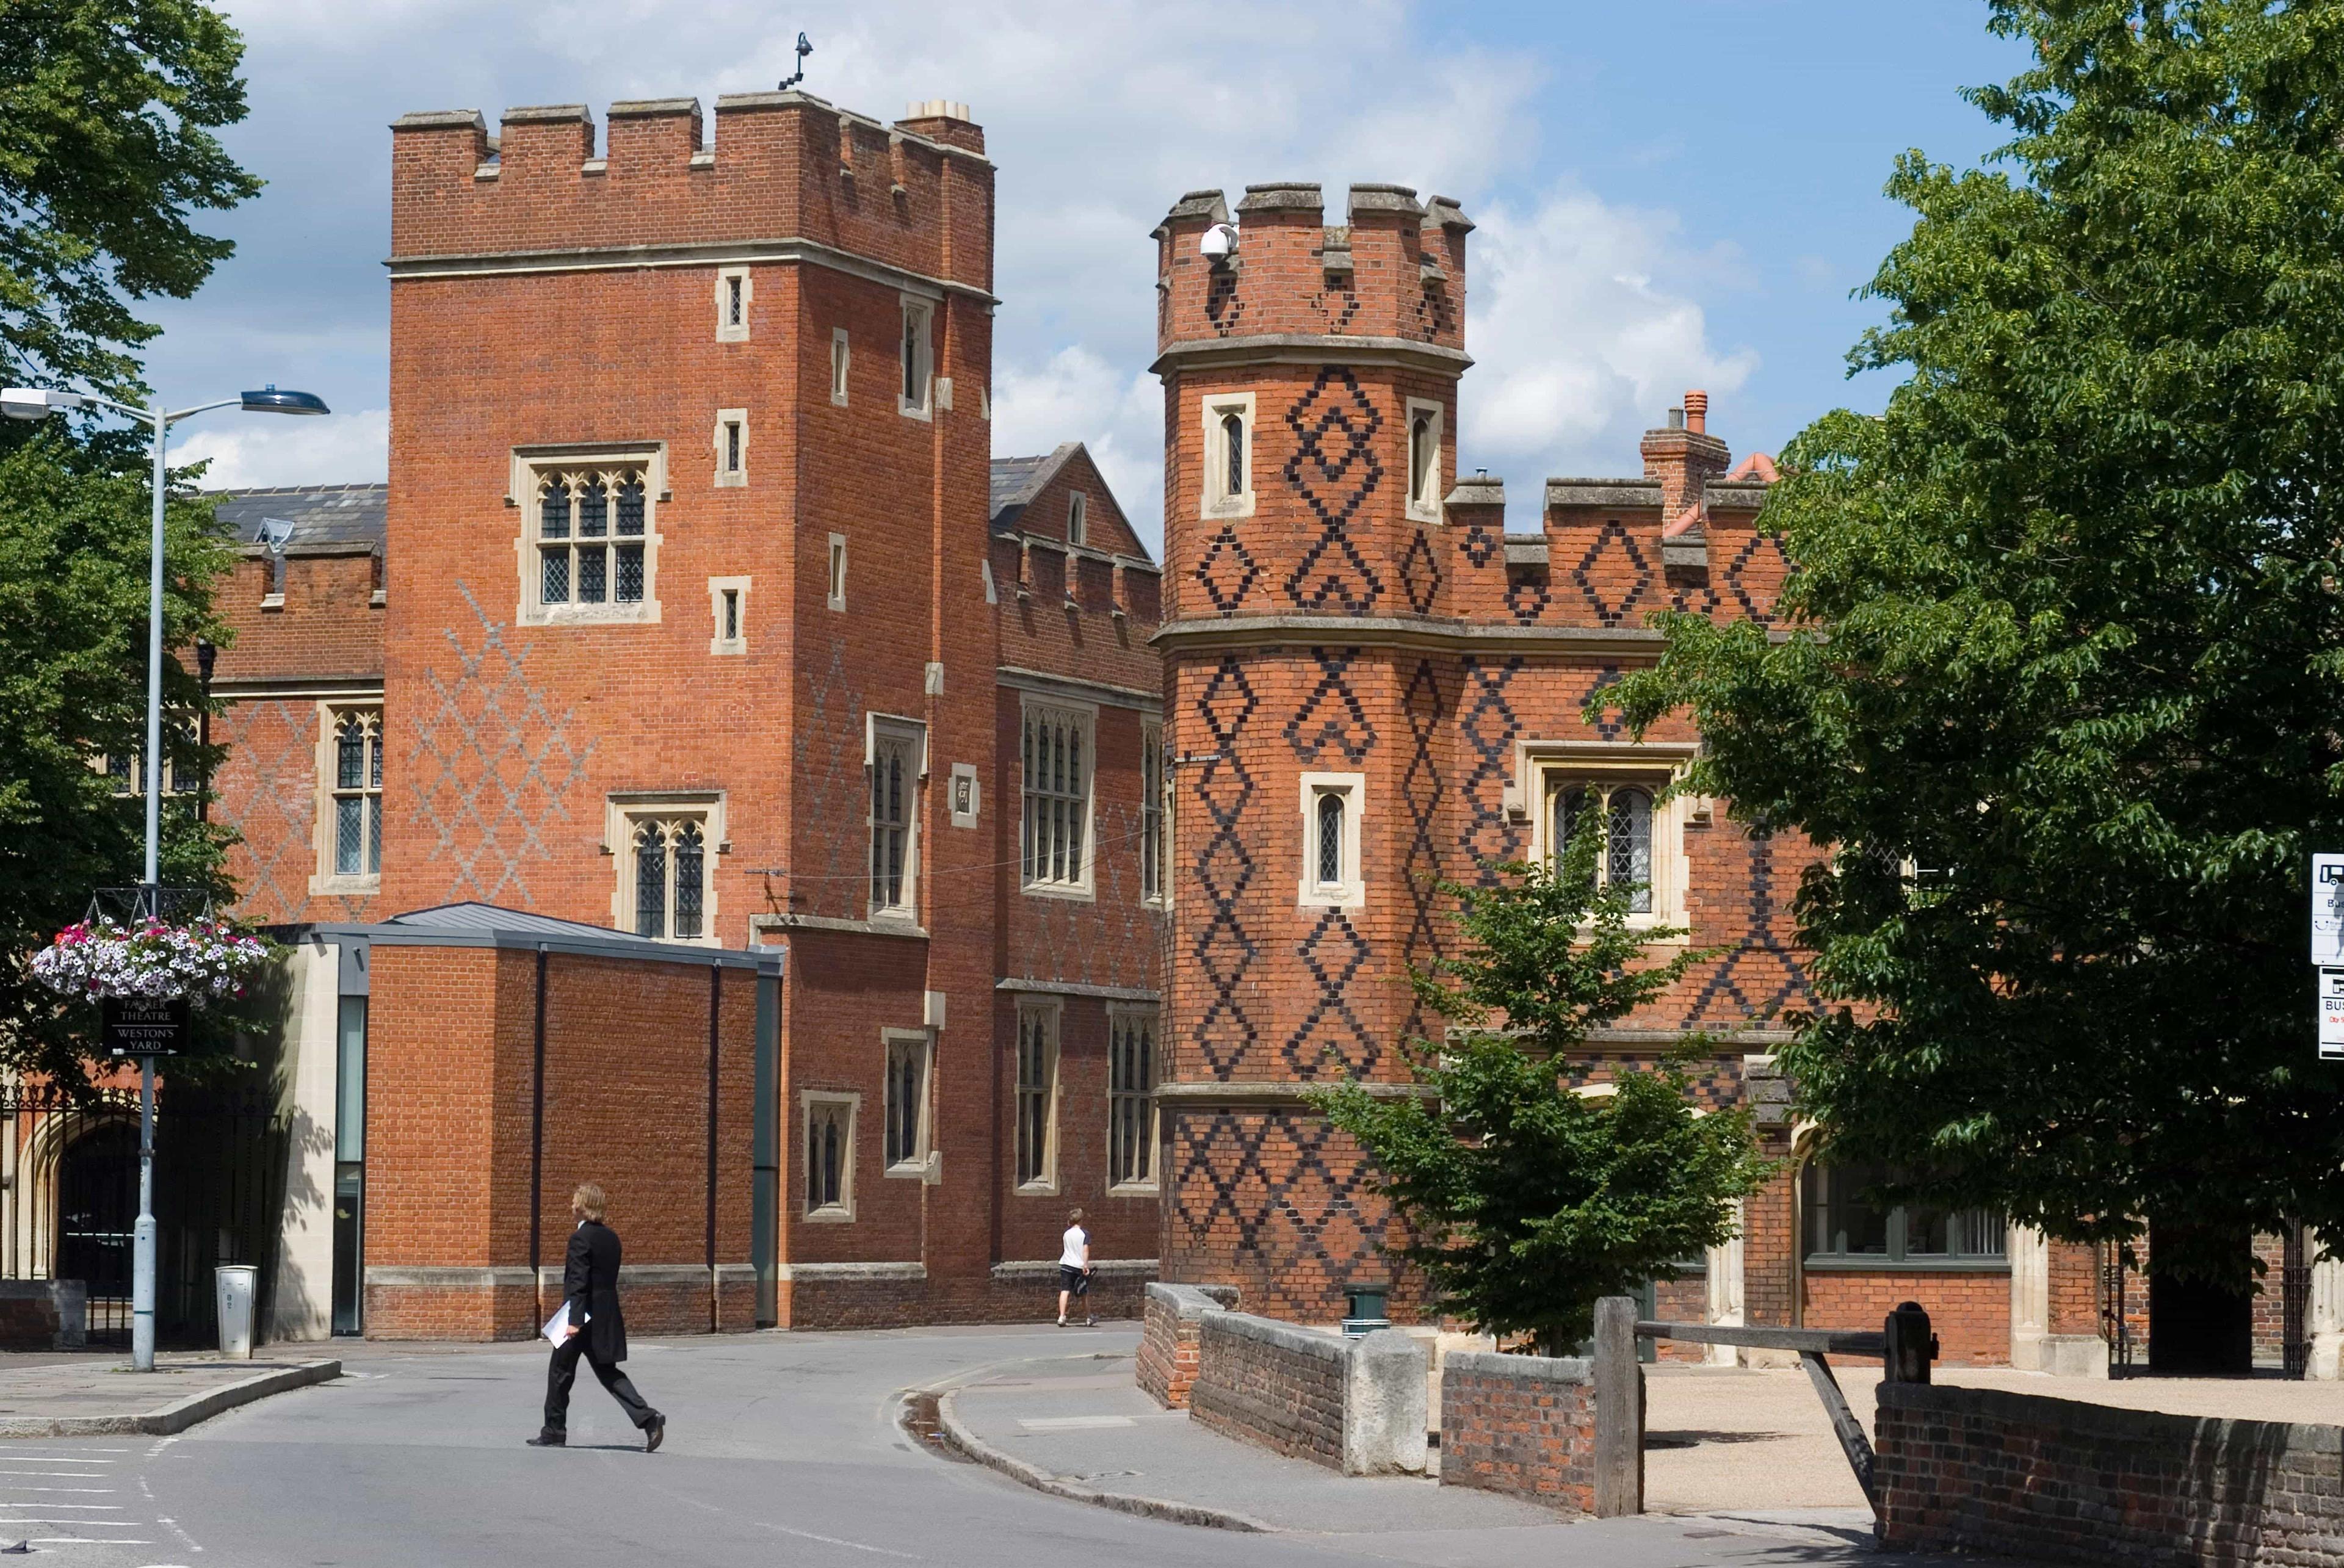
1684	457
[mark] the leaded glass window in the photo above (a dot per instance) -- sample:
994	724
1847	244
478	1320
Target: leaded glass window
354	791
1038	1092
592	527
894	781
1233	456
1131	1098
1330	845
1155	846
1624	856
830	1155
907	1091
1056	755
671	878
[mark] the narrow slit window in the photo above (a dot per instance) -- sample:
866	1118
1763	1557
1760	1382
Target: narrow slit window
1037	1093
1330	840
1077	524
840	358
732	615
1233	452
731	446
1421	450
735	313
837	572
907	1097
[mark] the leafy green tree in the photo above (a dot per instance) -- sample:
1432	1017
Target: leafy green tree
1528	1200
106	110
73	688
2065	649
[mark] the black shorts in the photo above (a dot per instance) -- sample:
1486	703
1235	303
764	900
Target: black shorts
1072	1279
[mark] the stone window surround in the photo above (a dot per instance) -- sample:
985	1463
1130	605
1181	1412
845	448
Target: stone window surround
325	879
1350	891
727	331
1117	1013
1544	768
919	337
520	492
835	591
717	588
809	1101
927	1163
1052	1011
1213	501
622	810
728	422
1424	505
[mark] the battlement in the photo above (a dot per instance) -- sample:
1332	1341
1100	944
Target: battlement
916	195
1394	269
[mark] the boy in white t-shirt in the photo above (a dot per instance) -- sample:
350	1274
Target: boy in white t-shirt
1075	1268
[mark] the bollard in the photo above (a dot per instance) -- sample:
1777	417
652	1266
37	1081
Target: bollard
1910	1346
1619	1411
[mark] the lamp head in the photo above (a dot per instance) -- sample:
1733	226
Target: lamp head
270	400
36	402
1217	242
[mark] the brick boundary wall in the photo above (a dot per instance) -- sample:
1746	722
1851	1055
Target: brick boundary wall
1353	1405
1174	1315
1524	1425
2057	1480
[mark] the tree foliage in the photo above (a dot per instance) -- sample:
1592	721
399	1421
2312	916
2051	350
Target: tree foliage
106	110
2062	687
1528	1202
73	688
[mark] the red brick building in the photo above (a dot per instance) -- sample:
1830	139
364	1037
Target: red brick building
705	768
1370	685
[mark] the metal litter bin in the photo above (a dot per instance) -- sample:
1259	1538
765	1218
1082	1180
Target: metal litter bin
234	1287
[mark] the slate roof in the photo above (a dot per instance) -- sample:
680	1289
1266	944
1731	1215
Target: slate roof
326	518
474	915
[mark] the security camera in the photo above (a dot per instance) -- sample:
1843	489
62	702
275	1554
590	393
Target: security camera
275	531
1217	242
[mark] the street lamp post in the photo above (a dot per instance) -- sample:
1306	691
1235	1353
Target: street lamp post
37	403
205	657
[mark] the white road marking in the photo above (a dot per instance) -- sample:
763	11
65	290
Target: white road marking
85	1474
89	1488
58	1459
84	1541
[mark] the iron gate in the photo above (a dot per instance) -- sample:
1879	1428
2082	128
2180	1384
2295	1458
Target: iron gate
69	1197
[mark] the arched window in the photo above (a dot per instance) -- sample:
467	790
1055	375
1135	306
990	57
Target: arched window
1423	448
1233	452
651	880
1330	840
358	792
1625	855
690	878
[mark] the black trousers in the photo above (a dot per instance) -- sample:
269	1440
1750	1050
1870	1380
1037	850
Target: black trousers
561	1372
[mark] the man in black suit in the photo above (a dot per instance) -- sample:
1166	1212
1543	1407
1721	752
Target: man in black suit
598	1330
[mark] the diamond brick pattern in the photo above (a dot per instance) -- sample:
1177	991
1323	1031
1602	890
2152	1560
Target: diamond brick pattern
1762	554
1223	306
1419	573
1331	1041
1331	723
1278	1199
1482	543
1227	571
1762	975
1333	471
494	764
1613	556
1224	868
1422	792
1489	726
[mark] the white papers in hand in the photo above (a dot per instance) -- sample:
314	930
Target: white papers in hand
557	1327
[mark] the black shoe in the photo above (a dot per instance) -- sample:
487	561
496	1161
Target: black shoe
655	1434
549	1440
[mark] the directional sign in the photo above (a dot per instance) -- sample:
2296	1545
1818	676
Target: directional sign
143	1027
2332	1015
2327	911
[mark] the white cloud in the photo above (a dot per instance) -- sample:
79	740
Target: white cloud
1098	113
1579	345
340	449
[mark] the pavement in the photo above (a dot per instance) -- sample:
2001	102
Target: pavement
779	1446
95	1393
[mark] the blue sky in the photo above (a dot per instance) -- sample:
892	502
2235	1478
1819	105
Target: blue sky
1671	193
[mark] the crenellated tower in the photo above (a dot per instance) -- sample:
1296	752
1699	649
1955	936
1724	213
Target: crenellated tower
1310	374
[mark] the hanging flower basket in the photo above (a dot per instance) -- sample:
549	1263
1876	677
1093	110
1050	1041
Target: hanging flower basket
204	961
